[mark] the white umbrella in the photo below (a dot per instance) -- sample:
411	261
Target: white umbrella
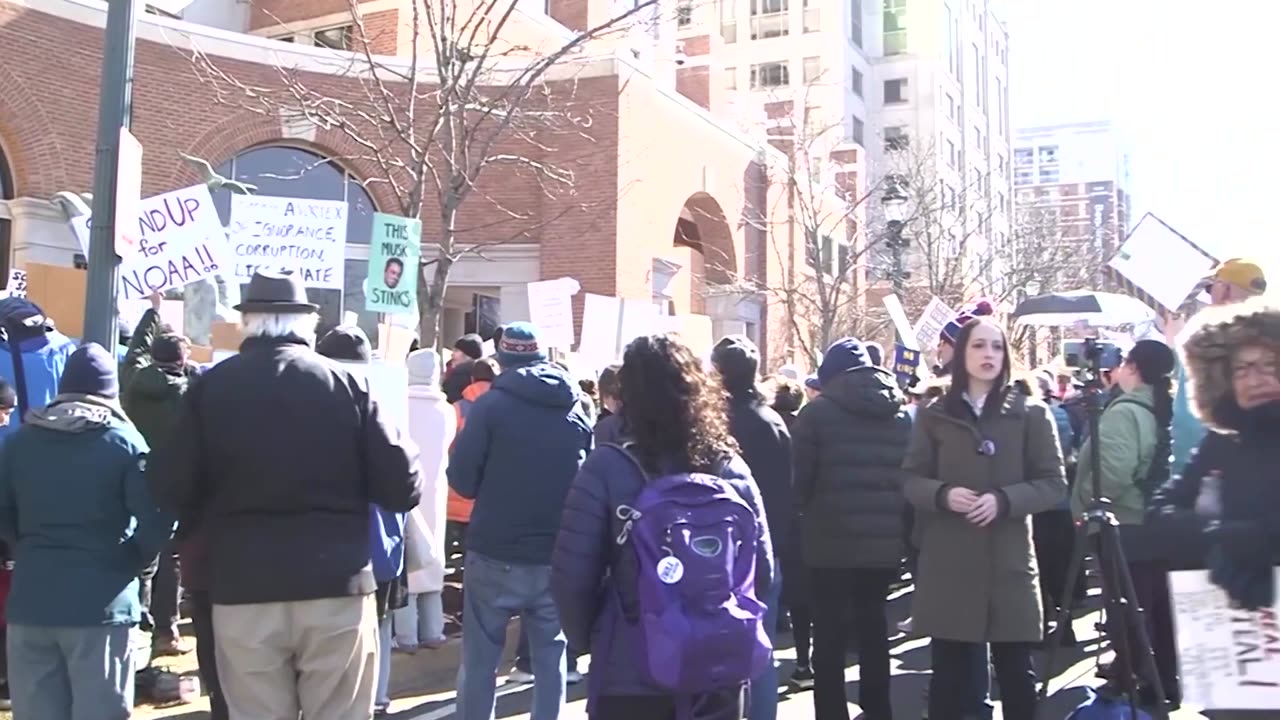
1098	309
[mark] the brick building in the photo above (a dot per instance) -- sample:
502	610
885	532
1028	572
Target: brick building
667	202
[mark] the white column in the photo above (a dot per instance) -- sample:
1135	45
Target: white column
40	234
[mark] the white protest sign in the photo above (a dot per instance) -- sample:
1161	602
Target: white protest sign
639	318
601	321
551	310
181	241
900	321
1163	263
17	285
389	387
1230	658
936	315
309	236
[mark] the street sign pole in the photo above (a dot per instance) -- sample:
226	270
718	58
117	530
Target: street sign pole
114	112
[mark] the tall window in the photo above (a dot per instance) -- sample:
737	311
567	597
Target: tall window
812	70
855	81
728	21
769	19
6	193
895	27
855	22
895	91
896	138
284	171
857	129
770	75
949	48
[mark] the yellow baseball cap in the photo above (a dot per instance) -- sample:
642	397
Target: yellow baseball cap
1244	274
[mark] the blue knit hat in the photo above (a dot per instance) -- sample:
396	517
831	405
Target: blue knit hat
844	355
90	371
520	346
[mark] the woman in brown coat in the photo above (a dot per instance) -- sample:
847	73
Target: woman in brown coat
983	459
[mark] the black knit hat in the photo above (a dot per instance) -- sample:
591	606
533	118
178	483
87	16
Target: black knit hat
470	345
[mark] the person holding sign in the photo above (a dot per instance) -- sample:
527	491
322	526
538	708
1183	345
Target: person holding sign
281	451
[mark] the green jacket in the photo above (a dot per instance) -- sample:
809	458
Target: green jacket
1129	432
152	394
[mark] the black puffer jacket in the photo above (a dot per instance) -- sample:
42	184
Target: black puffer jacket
848	446
766	446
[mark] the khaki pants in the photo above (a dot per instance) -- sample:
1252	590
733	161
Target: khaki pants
319	657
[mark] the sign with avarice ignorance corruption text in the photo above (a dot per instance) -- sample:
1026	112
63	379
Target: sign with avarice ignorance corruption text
180	240
392	286
309	236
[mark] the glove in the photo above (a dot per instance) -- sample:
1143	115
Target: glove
1240	563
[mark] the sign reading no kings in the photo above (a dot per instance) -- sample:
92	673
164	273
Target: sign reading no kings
181	240
309	236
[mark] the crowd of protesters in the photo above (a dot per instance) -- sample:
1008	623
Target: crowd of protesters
669	517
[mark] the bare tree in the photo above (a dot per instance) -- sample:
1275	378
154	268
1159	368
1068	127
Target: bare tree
816	236
468	101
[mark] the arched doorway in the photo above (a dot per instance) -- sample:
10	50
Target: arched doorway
7	192
289	171
714	270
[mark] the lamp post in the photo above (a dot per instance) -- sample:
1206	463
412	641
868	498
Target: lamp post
895	213
114	111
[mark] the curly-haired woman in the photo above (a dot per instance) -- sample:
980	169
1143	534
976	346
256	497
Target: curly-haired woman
676	418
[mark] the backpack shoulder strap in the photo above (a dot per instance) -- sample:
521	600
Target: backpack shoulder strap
14	339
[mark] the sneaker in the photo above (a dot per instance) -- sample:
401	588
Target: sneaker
381	711
905	626
5	703
801	679
573	677
520	677
405	649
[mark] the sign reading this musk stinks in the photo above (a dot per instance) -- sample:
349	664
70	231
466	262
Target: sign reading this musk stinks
392	286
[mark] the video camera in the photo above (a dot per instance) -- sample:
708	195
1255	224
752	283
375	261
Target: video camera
1078	354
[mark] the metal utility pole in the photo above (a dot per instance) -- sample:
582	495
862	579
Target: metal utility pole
114	112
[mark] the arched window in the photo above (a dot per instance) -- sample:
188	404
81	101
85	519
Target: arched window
7	192
285	171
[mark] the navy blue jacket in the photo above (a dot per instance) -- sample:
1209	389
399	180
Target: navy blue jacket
590	611
523	442
77	511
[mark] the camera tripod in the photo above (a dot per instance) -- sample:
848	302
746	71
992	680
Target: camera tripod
1097	529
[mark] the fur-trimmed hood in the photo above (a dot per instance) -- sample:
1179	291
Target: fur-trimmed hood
1206	345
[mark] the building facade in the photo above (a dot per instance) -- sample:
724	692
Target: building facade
667	201
1080	174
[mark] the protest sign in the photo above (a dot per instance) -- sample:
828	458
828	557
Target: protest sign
17	285
180	241
309	236
1162	262
389	388
905	363
1230	658
936	315
551	310
900	321
639	318
393	265
601	321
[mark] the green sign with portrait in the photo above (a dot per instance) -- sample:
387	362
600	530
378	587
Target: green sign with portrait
393	263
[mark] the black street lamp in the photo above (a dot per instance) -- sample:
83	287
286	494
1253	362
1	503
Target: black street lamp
895	213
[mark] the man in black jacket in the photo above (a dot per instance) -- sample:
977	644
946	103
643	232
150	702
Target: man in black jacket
766	447
280	451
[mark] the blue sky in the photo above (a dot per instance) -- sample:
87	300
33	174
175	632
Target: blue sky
1196	90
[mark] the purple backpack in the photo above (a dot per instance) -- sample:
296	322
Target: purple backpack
692	539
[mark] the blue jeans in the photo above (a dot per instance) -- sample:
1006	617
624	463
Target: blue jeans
764	688
522	655
496	592
71	673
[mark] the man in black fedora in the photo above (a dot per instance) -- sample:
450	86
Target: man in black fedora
277	454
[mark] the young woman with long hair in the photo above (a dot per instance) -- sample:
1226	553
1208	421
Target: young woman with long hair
982	460
676	419
1134	450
